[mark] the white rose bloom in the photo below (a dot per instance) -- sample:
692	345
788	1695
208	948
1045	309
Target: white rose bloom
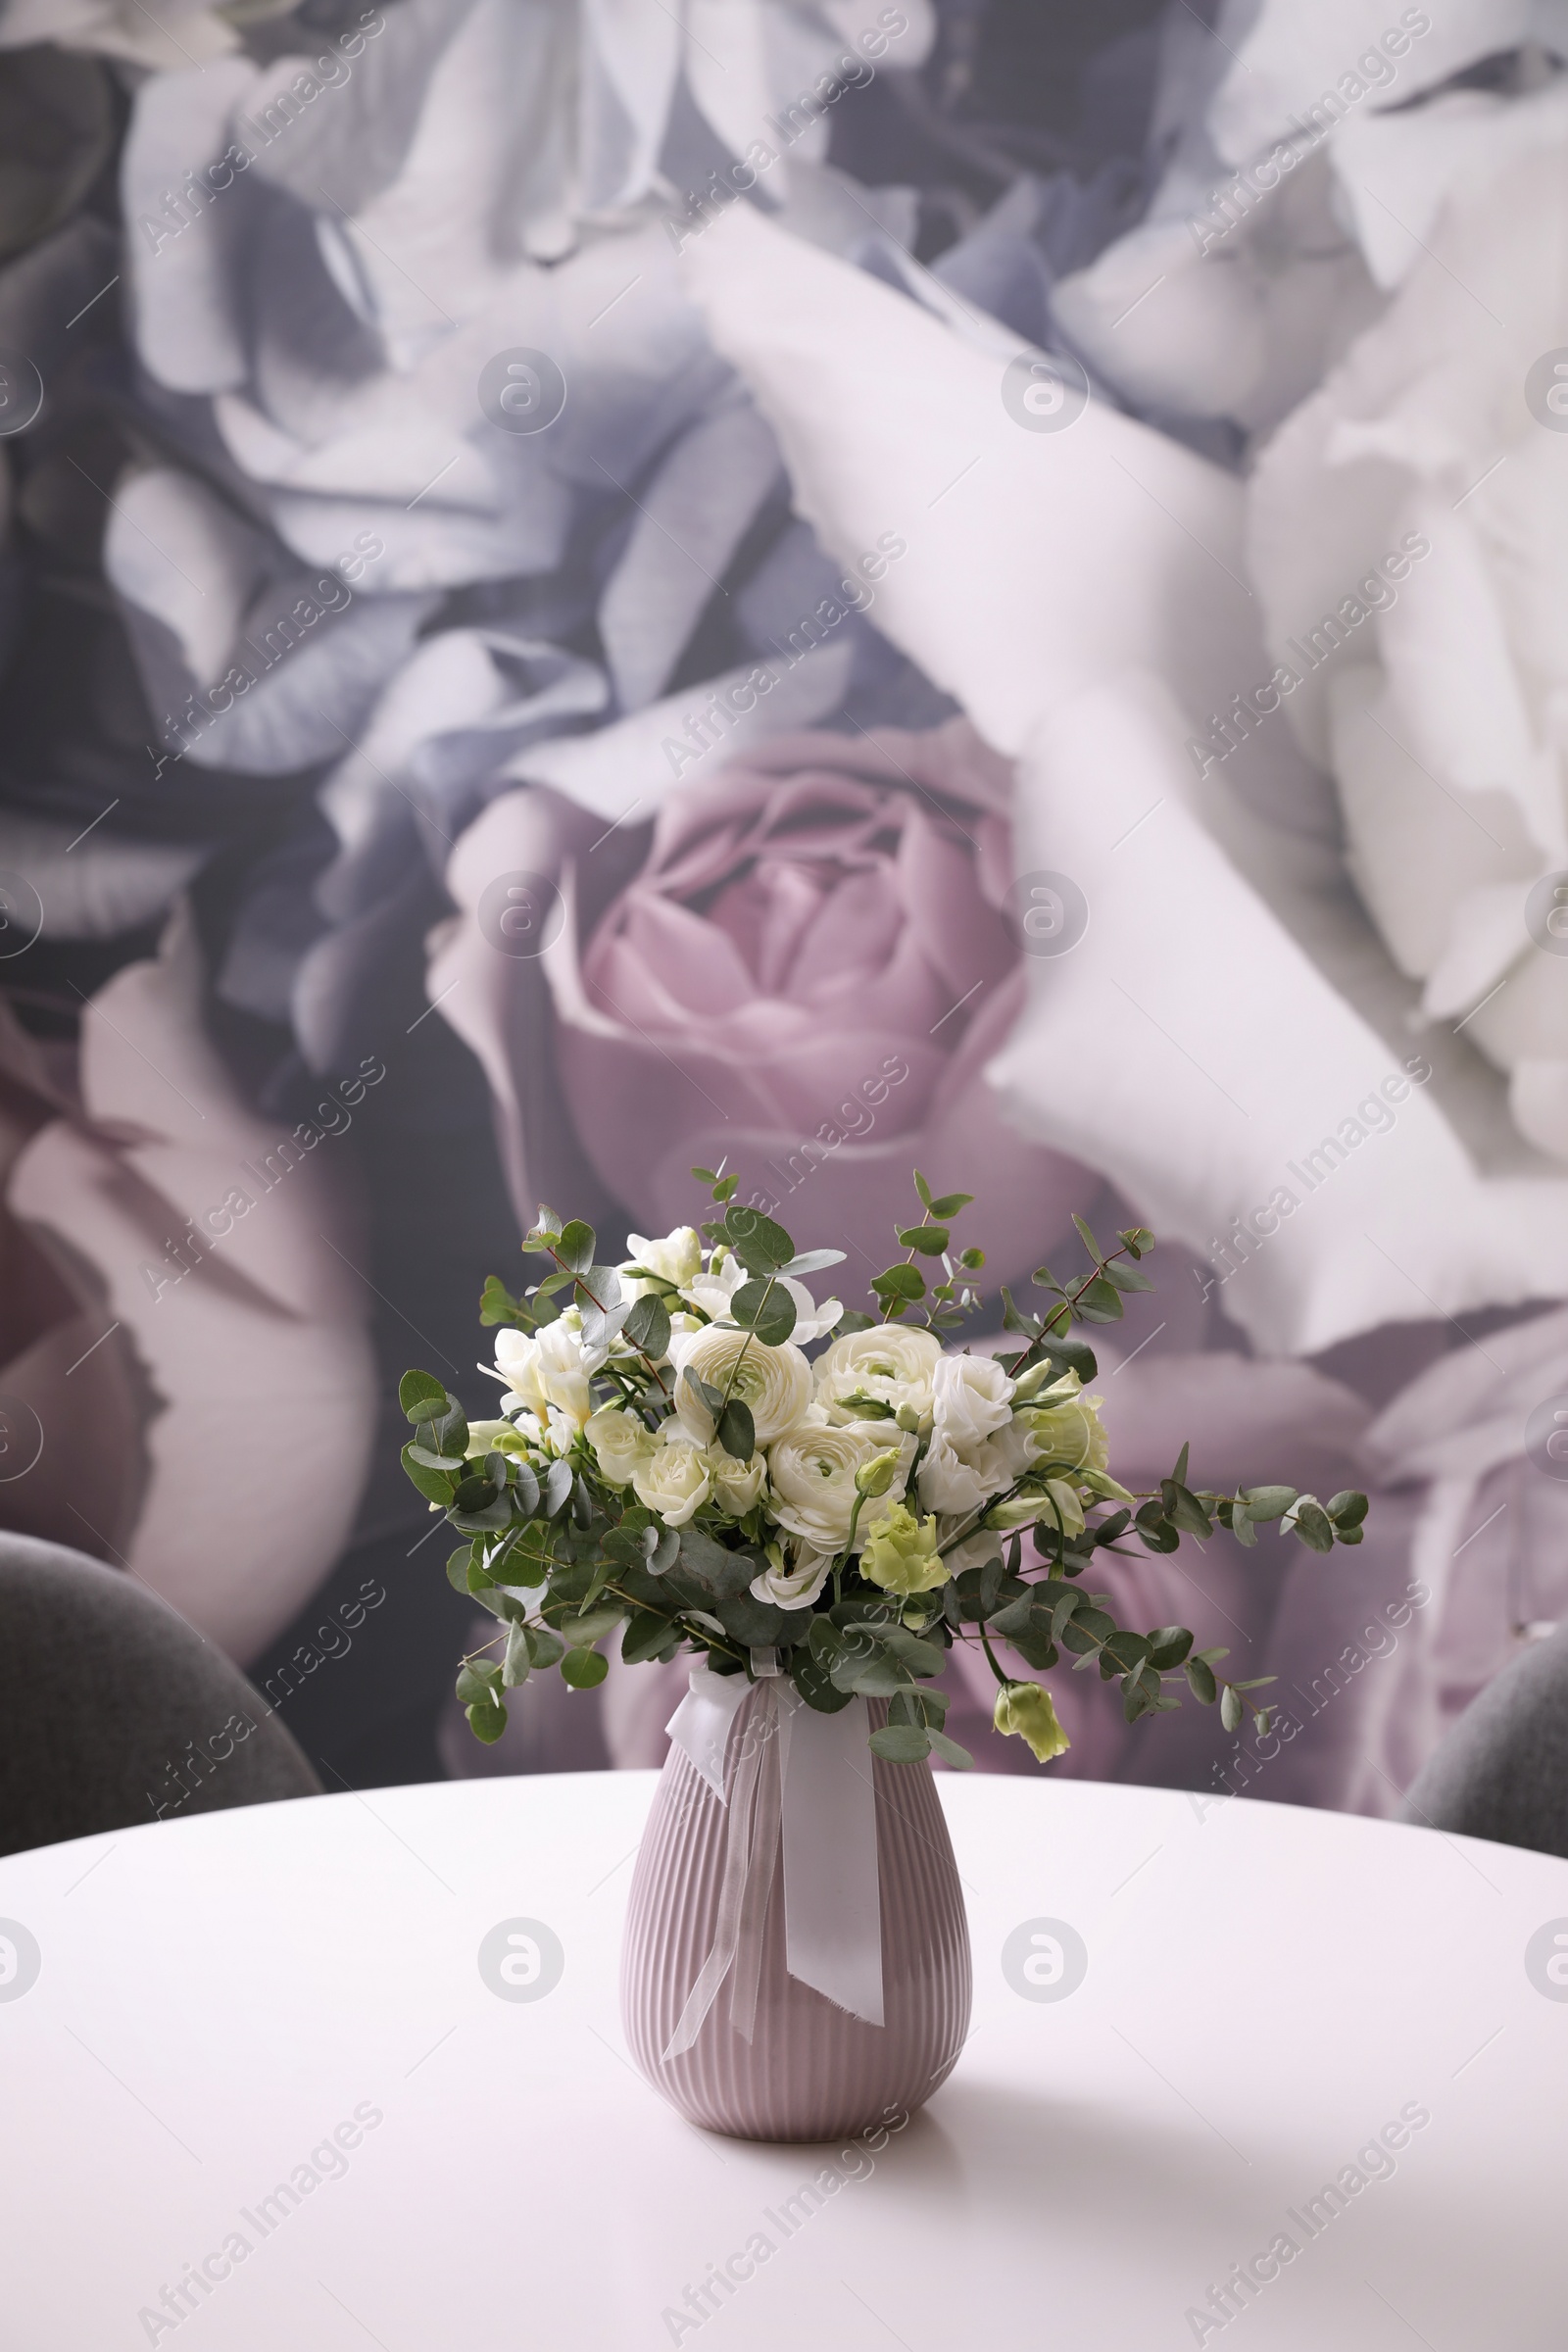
793	1588
889	1363
673	1478
813	1473
775	1382
737	1485
621	1443
971	1398
678	1259
950	1484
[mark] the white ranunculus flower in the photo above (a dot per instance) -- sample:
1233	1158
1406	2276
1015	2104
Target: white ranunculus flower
673	1478
621	1443
971	1398
795	1587
811	1470
676	1259
889	1363
774	1382
737	1485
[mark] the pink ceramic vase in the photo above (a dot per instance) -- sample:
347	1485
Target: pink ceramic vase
810	2071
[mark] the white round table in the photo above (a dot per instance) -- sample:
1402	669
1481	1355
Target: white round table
259	2094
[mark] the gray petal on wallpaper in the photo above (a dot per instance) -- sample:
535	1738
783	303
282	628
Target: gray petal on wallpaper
310	349
348	144
625	769
340	1006
98	885
248	662
436	546
787	604
49	285
690	518
313	690
277	925
546	690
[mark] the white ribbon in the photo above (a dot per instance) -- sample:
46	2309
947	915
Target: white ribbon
806	1776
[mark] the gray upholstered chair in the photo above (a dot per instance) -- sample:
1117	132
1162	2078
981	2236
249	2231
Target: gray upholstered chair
1503	1771
114	1711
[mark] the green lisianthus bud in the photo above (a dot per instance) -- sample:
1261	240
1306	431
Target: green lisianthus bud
901	1553
1025	1711
876	1475
907	1418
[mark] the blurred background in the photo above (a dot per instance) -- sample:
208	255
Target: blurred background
589	585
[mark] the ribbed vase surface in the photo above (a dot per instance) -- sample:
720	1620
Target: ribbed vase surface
811	2072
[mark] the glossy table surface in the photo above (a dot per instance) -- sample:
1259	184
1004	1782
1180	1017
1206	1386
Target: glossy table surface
350	2072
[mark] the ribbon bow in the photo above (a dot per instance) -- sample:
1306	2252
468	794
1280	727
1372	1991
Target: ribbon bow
807	1777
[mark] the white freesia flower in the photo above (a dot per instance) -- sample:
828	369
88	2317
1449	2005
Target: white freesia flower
713	1290
673	1478
678	1259
775	1383
796	1586
621	1443
811	1470
971	1398
891	1364
548	1368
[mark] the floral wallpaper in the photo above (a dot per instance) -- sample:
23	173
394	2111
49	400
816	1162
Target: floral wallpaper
588	587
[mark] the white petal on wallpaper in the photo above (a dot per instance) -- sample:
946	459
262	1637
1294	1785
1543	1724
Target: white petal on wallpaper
191	563
630	59
345	151
95	887
1193	314
1035	560
259	1353
1290	58
728	72
690	518
630	765
461	213
1394	173
1418	499
180	264
283	665
1228	1080
183	32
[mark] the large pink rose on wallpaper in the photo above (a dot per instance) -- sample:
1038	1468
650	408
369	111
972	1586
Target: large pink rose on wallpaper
806	981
